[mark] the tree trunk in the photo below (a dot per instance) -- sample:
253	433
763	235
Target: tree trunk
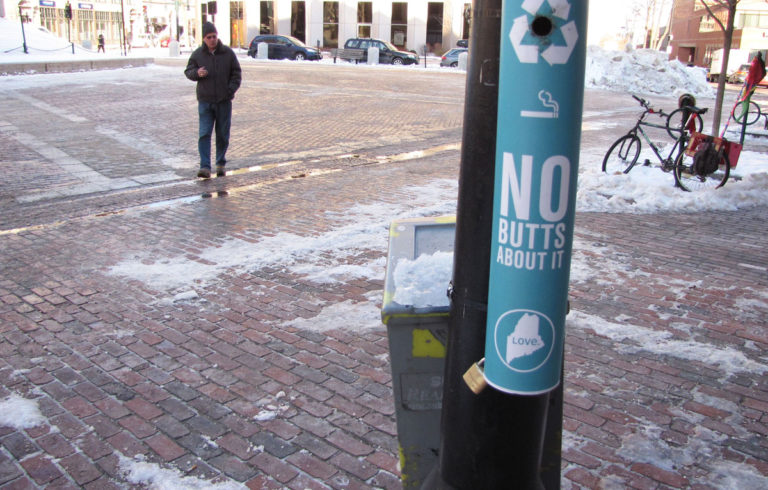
728	35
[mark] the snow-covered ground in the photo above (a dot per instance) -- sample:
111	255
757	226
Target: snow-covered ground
324	257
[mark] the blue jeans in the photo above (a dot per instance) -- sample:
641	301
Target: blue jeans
220	116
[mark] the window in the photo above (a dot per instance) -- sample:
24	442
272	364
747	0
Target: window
299	21
435	25
331	24
102	20
51	20
753	19
267	12
85	21
467	18
399	34
364	18
707	24
237	24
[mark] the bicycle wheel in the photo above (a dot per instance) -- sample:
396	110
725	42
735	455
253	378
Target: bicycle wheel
752	112
675	122
687	180
622	155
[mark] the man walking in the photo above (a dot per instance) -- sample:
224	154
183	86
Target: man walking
216	70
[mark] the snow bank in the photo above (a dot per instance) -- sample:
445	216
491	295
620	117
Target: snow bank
643	71
40	42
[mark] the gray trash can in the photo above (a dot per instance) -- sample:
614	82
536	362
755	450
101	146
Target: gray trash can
415	310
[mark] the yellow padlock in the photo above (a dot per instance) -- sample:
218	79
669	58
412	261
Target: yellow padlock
474	377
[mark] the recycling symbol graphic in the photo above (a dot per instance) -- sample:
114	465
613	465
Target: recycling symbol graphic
553	54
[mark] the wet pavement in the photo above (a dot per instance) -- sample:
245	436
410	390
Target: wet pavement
228	329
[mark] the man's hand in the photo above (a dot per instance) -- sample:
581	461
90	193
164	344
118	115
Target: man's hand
202	72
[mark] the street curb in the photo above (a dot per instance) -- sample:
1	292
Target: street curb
71	66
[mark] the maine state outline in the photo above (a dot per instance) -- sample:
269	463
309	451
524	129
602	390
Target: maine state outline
524	339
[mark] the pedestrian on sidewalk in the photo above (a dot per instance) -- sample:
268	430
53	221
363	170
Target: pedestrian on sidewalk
217	72
101	44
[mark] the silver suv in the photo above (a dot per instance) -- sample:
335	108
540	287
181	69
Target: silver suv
388	53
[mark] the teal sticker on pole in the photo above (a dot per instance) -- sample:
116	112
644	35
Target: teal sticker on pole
541	93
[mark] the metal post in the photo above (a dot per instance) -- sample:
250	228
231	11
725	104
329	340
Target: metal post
23	34
518	175
476	430
745	114
123	40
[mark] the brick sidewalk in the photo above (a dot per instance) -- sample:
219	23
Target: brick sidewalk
245	366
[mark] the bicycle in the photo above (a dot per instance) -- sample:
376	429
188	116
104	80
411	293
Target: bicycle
695	171
689	171
623	154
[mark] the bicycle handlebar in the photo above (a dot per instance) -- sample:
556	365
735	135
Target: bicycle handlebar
643	102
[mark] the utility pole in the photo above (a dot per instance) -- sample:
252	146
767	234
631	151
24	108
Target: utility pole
519	163
123	40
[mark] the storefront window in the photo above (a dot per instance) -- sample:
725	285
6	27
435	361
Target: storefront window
364	18
267	25
399	35
299	21
85	21
467	18
435	25
331	24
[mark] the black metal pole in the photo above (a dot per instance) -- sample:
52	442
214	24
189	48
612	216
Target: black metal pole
490	440
23	34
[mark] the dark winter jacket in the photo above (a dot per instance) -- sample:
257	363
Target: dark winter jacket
224	74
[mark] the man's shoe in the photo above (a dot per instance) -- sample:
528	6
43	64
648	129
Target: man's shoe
204	173
220	171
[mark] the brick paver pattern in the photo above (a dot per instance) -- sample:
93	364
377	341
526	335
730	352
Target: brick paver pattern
222	377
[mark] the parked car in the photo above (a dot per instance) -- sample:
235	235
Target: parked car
284	48
388	53
451	58
739	75
462	43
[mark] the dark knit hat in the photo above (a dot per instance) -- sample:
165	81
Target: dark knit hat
209	28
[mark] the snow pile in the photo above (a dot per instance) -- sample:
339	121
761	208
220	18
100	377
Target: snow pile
40	41
19	413
349	315
154	477
643	71
422	282
646	190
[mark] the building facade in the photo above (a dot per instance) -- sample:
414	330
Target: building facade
138	23
696	34
411	25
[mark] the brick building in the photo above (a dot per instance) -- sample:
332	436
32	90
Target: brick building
696	34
